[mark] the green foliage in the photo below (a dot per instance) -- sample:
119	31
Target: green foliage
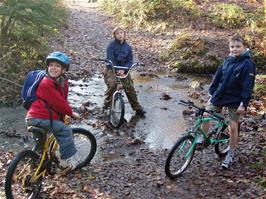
255	38
151	14
227	15
157	9
25	26
24	30
260	85
191	54
191	8
159	16
111	6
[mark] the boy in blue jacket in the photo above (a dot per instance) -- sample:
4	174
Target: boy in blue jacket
232	87
120	53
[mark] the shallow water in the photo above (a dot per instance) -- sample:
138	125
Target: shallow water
164	120
163	124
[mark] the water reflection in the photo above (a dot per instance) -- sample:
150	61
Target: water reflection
164	120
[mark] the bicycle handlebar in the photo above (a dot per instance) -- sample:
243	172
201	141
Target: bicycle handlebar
201	109
120	67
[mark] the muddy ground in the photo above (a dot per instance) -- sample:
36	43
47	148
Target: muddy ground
125	166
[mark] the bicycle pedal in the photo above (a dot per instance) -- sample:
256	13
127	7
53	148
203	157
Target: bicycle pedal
64	171
54	169
200	147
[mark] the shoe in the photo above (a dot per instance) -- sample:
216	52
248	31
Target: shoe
200	139
71	162
228	159
140	112
106	106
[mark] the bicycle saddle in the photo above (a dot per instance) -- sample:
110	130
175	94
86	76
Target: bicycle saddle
35	129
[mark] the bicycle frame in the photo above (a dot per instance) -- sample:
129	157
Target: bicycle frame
39	173
220	125
197	128
119	77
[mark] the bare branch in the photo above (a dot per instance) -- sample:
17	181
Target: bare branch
2	78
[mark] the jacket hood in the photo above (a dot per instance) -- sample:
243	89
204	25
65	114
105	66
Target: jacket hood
119	42
245	55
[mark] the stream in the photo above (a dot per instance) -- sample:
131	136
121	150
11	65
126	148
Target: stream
159	94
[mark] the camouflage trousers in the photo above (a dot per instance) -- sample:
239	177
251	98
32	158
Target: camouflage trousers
128	85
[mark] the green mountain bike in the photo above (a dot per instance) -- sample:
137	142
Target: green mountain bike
182	152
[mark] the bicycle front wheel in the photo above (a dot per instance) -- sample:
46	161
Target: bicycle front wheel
117	111
180	157
85	144
18	182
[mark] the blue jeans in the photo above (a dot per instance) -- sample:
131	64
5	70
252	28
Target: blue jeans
62	133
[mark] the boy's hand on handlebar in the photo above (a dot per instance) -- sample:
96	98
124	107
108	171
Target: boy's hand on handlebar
120	72
76	115
241	110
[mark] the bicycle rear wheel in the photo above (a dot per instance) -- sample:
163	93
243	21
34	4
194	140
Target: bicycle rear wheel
86	145
179	157
18	178
117	110
222	148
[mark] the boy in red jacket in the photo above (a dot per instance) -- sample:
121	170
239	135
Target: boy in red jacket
51	105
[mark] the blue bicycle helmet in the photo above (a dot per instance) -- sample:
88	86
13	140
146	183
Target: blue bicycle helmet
60	57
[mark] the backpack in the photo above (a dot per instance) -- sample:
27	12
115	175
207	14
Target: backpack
30	86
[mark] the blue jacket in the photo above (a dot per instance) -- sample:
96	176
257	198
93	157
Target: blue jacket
234	81
119	54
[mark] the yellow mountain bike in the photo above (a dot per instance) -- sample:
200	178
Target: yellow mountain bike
26	172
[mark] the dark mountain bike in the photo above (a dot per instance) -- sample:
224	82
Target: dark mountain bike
117	109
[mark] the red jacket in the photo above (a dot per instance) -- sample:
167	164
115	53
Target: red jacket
54	96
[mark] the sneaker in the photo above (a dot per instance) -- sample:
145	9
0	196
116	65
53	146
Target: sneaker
106	106
228	159
200	139
71	162
140	112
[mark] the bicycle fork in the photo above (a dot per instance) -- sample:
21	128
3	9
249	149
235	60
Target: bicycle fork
189	151
114	95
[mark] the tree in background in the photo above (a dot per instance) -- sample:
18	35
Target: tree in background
25	26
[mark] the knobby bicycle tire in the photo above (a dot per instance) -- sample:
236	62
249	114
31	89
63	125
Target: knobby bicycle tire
93	145
174	152
36	187
117	111
221	149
